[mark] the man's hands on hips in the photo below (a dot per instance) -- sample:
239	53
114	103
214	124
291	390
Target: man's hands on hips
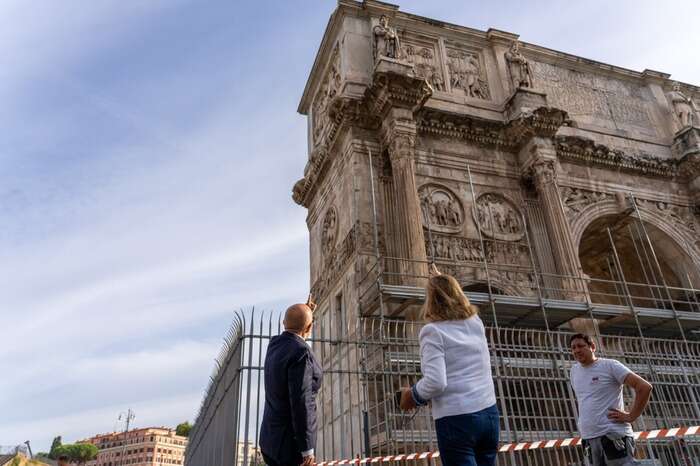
617	415
308	460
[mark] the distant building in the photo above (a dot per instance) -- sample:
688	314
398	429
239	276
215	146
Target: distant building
249	454
139	447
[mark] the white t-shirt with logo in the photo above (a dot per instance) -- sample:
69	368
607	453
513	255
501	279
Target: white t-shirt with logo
598	389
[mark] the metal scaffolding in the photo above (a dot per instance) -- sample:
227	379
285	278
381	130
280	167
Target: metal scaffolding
368	350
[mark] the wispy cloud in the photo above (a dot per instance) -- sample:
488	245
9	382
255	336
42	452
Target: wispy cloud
146	162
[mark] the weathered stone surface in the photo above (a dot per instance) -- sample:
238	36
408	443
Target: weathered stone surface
425	102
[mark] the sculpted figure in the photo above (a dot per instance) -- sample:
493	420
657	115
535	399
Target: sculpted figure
519	68
436	80
454	212
425	207
386	40
682	106
472	77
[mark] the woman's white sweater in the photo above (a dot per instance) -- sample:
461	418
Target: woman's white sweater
456	367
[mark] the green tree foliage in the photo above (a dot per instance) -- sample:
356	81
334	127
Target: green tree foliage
54	445
183	429
79	453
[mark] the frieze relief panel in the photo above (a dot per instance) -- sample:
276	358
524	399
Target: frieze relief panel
509	262
467	72
594	96
461	249
442	209
330	86
681	216
329	231
423	55
576	199
498	217
335	259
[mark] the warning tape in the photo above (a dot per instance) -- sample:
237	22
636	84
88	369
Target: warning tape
557	443
574	441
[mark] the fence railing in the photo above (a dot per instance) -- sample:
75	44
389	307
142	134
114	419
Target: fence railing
365	363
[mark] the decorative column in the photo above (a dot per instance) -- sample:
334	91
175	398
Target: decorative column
400	140
686	147
542	168
395	95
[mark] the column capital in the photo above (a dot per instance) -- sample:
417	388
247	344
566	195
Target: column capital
393	89
542	171
402	146
686	142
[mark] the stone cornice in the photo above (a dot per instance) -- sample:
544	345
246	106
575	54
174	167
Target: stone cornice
487	133
586	152
393	89
541	122
343	112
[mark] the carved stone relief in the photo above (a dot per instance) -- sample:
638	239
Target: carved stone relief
467	74
683	107
498	218
446	249
518	67
575	199
679	215
442	210
327	91
587	95
425	65
330	230
335	261
386	40
454	248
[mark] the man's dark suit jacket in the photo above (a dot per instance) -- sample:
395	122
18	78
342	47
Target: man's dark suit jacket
292	379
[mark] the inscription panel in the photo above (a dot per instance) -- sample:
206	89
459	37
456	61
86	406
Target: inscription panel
597	100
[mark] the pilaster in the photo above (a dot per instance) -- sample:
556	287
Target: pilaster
540	166
686	147
395	96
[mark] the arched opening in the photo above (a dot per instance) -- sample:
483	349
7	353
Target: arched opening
481	287
622	264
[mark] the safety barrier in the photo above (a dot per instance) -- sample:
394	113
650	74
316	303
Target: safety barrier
676	432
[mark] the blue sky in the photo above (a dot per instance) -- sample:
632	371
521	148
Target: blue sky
147	155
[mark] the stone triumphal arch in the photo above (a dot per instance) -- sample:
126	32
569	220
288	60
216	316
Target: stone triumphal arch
563	193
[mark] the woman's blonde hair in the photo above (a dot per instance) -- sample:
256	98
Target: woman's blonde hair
445	300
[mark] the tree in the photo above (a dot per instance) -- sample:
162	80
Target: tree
79	453
183	429
54	445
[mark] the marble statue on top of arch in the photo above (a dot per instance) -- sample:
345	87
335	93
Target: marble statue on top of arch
682	105
386	40
518	67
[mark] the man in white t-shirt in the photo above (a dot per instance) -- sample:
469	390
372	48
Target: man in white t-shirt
604	425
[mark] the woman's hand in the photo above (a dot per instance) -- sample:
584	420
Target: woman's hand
433	270
406	400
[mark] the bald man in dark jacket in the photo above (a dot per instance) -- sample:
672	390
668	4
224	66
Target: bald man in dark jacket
292	379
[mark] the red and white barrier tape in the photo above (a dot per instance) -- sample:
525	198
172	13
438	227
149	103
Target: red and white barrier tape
558	443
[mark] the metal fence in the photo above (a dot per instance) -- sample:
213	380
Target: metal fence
366	362
13	449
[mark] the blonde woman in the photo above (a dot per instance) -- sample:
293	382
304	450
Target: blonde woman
457	378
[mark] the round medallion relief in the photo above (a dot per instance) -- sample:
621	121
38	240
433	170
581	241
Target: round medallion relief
498	217
442	209
330	229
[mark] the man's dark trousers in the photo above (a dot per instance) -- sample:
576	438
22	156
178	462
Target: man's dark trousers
292	379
